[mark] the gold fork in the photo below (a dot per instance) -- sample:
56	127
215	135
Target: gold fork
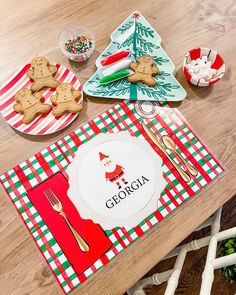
57	206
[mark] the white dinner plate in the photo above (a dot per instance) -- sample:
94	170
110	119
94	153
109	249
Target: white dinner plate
115	180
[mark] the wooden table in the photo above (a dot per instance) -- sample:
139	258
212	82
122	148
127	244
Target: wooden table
29	28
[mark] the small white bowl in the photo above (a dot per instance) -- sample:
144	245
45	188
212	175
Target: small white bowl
73	32
216	60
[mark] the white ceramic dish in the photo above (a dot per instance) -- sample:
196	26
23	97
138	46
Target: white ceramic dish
102	200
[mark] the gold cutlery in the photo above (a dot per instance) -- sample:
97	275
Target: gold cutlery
156	141
170	144
57	206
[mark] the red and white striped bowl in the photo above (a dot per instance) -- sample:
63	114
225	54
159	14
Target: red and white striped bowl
46	123
216	60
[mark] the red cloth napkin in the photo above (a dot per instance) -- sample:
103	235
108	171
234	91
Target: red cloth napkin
93	234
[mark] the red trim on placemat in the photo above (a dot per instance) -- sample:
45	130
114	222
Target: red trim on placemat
31	166
115	250
139	231
82	277
148	222
93	268
165	205
126	126
75	138
137	124
68	148
126	234
104	259
58	163
107	126
94	127
171	197
44	164
158	215
113	120
119	238
62	152
85	132
22	177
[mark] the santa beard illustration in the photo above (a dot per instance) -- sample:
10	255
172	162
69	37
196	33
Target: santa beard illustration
113	172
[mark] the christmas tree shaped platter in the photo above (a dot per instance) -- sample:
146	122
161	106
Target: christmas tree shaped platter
137	35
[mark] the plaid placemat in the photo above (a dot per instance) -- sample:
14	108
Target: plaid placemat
57	156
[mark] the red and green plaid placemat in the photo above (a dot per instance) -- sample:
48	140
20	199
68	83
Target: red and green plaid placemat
56	157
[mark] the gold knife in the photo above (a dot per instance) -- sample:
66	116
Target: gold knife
156	141
170	144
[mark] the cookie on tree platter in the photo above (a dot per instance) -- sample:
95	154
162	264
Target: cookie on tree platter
144	71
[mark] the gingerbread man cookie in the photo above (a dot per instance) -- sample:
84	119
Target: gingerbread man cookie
42	73
144	71
66	100
30	105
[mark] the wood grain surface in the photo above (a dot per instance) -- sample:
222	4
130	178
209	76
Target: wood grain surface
31	27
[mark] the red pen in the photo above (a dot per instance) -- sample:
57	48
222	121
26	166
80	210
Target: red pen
115	57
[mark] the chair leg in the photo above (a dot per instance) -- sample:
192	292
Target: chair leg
173	281
155	279
212	263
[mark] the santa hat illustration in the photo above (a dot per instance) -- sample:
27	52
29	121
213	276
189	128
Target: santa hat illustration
102	156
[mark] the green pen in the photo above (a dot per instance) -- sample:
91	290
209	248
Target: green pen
116	76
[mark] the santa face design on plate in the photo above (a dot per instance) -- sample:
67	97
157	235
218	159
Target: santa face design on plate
113	172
